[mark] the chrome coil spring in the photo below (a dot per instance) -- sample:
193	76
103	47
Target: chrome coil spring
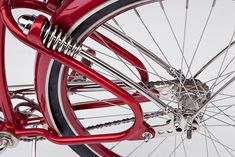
54	39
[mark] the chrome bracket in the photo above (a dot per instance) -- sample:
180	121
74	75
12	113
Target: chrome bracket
173	129
7	140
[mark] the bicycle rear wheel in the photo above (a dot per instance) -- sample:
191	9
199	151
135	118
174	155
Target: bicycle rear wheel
173	56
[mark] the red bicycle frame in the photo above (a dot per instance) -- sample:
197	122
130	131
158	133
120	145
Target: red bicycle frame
72	10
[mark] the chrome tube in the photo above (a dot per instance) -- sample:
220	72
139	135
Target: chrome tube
213	96
214	58
171	70
128	82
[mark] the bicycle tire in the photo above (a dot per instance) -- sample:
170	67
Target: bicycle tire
58	116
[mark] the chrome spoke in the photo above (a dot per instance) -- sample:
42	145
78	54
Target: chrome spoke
214	58
206	142
113	147
222	64
224	146
201	36
218	113
145	51
216	149
228	63
119	58
195	100
182	53
177	147
231	116
185	152
150	34
136	148
222	106
153	151
142	55
197	47
221	99
95	99
224	75
223	80
216	141
132	43
172	31
219	120
214	95
129	82
184	38
222	125
140	47
149	72
223	112
179	77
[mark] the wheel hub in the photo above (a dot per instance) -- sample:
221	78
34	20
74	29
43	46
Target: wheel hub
190	94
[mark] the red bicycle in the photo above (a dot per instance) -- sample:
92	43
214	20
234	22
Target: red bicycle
124	77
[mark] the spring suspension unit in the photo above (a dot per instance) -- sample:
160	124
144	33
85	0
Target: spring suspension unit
52	37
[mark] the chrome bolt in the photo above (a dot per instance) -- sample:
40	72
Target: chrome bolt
7	140
177	121
4	143
147	136
189	134
189	127
25	22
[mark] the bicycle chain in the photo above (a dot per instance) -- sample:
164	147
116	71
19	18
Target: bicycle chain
123	121
132	119
99	126
30	139
146	116
158	83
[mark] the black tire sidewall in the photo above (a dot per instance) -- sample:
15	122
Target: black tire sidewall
54	77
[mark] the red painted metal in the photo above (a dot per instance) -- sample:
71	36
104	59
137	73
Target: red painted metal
26	121
68	13
48	8
71	16
34	41
69	140
5	102
65	16
106	103
40	78
4	2
72	10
